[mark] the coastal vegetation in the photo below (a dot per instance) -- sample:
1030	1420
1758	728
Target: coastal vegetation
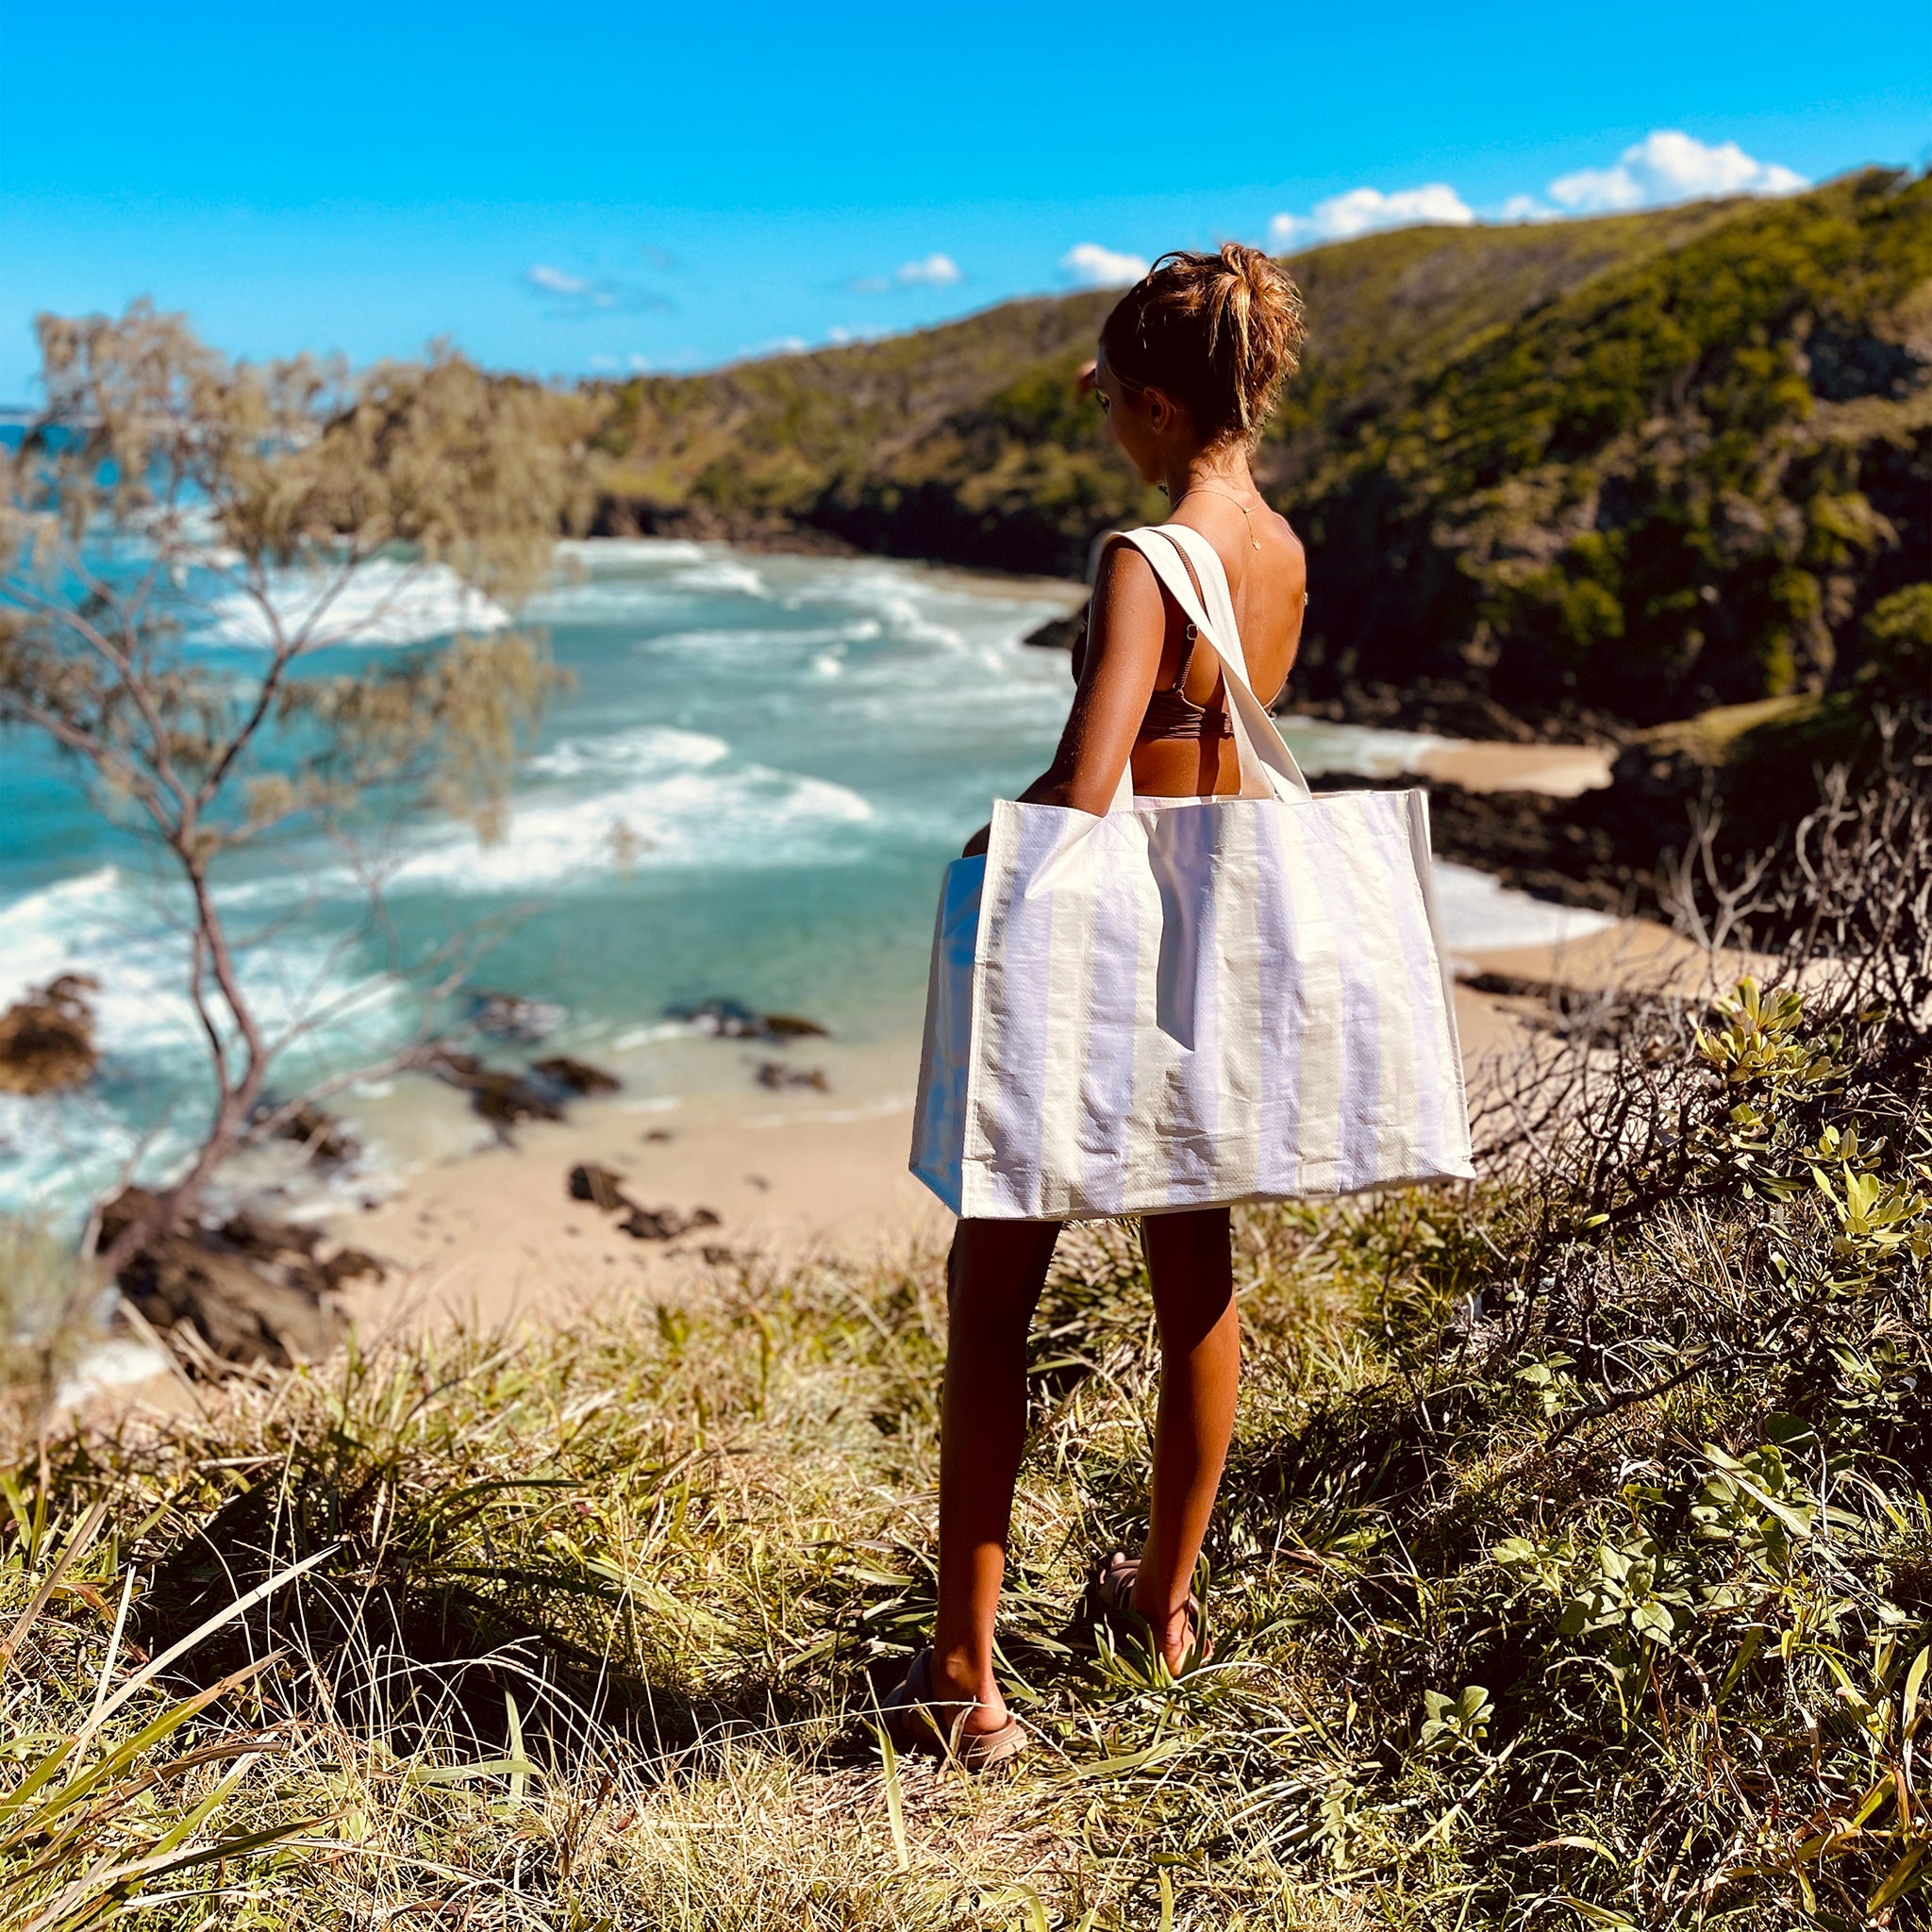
286	513
1575	1567
1618	471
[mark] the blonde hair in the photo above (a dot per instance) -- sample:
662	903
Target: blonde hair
1217	333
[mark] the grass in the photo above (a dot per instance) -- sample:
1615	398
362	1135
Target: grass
1574	1566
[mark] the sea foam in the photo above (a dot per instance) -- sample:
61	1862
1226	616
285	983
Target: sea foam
384	602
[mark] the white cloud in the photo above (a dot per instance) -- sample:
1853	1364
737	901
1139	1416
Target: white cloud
936	272
557	281
1097	267
580	295
1670	166
1527	207
1363	209
839	334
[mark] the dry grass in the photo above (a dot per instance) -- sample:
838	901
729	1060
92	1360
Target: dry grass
1574	1567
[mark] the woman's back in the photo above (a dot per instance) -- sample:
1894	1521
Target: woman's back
1184	750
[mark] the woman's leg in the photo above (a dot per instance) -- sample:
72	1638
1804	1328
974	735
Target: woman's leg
994	1278
1190	1266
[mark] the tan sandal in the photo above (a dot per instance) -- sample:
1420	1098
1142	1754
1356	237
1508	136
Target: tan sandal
1113	1592
919	1722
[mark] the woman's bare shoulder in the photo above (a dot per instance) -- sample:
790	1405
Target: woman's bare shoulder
1284	549
1123	568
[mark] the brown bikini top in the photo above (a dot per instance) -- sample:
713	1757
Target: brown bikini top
1172	715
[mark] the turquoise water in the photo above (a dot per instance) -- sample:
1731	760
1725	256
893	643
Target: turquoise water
748	792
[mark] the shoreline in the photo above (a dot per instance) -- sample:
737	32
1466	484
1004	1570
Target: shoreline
493	1236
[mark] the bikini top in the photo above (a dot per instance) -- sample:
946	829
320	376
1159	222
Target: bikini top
1172	715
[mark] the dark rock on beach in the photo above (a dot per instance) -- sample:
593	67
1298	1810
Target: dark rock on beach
602	1187
791	1026
733	1019
47	1039
1057	633
504	1098
327	1141
720	1019
249	1290
780	1078
513	1019
1451	708
575	1076
1608	851
664	1224
499	1097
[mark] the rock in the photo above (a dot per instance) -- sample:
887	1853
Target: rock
512	1017
734	1020
501	1098
351	1264
1057	633
1598	851
47	1039
790	1026
252	1290
664	1224
329	1143
602	1187
576	1076
775	1074
722	1020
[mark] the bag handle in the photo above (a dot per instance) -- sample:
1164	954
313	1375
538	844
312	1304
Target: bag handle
1267	766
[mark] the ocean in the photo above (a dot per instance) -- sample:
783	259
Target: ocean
747	793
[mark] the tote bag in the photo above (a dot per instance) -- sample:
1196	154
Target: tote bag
1191	1002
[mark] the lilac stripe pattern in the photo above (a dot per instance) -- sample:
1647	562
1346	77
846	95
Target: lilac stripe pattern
1251	992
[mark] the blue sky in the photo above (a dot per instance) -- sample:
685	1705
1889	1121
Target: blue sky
569	191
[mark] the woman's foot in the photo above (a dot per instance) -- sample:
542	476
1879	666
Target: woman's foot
928	1712
1172	1631
955	1681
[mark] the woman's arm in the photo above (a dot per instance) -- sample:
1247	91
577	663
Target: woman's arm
1126	630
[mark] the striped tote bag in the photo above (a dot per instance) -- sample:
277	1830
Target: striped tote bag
1191	1002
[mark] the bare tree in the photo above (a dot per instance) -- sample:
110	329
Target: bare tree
162	482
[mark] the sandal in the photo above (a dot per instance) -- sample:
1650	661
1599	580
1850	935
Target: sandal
919	1722
1113	1593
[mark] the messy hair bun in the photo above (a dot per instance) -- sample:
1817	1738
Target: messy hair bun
1215	332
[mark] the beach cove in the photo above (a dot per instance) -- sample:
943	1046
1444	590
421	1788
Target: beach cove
745	796
747	793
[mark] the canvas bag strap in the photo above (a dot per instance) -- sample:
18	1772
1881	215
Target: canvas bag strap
1267	766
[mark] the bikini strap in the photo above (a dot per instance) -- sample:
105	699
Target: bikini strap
1191	642
1178	554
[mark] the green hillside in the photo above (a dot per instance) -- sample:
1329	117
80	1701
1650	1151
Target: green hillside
1635	465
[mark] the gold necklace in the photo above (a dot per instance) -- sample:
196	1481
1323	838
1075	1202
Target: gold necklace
1253	539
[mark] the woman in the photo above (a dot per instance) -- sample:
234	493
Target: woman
1189	366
